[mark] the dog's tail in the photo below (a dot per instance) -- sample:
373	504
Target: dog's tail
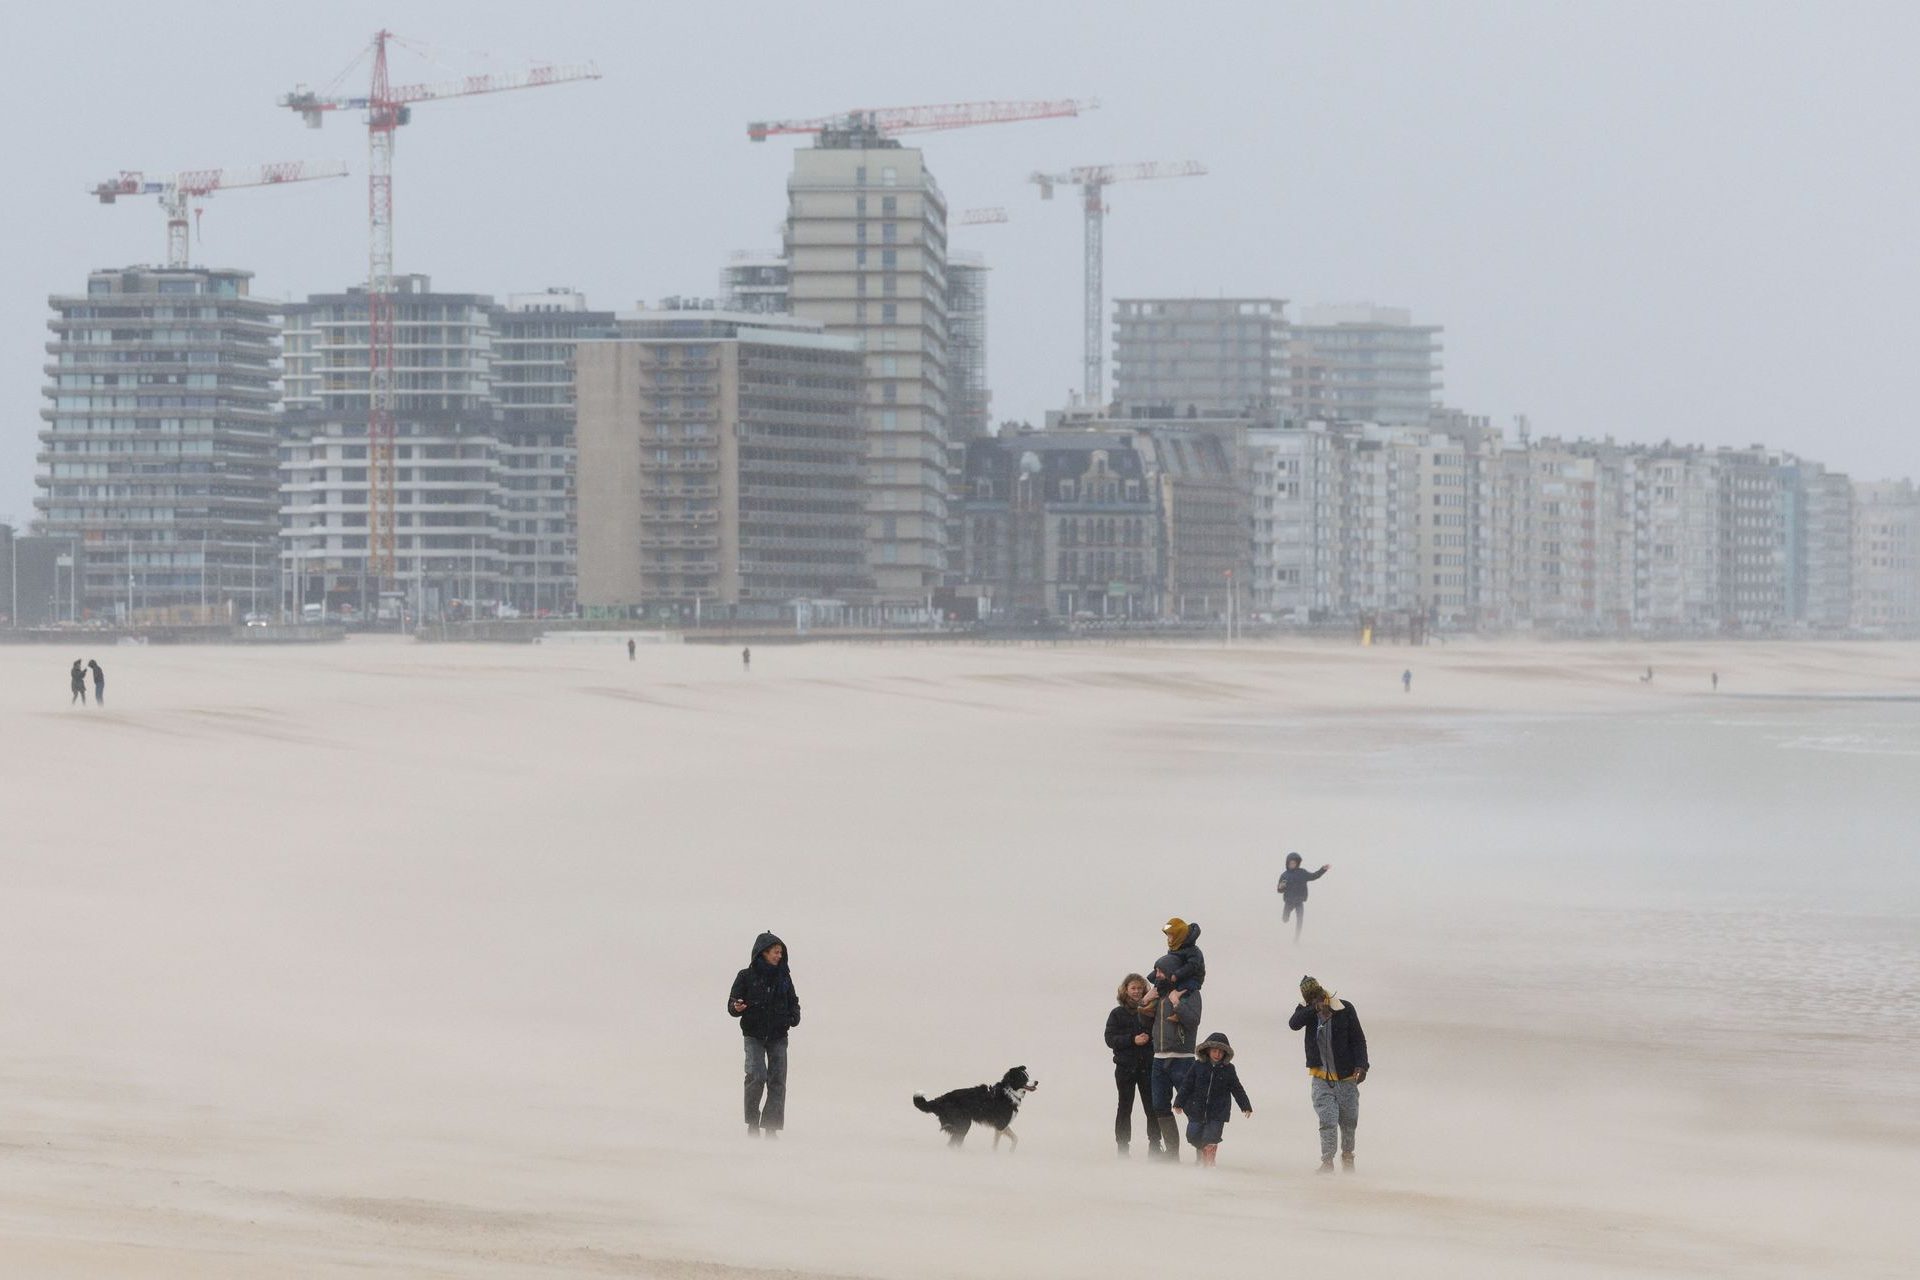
921	1102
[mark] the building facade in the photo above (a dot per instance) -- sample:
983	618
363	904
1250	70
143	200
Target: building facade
1886	557
866	257
449	490
1059	525
1210	356
156	449
1362	363
971	397
721	459
535	335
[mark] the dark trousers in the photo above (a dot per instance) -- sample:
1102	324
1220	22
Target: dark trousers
1169	1074
1132	1083
766	1072
1298	911
99	693
79	695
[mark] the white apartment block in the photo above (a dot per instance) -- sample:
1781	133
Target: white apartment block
1886	556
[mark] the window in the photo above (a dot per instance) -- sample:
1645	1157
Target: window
889	176
889	313
889	204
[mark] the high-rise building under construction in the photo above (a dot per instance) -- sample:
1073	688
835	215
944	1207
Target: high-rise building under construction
866	249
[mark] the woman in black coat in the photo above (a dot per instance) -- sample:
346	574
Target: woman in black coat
1129	1035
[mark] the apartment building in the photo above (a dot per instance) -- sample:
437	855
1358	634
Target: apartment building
533	346
721	458
866	253
449	490
1209	356
156	450
1362	363
1885	576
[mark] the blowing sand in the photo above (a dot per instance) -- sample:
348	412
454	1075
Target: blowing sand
396	960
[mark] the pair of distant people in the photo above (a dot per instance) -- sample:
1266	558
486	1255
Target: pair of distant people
77	683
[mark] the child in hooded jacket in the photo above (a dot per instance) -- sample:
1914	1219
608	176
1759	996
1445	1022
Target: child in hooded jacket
1183	943
1207	1095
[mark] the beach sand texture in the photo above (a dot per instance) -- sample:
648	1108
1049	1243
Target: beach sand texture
386	959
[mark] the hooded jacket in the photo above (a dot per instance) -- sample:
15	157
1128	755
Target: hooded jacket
1175	1030
1212	1087
1349	1041
773	1007
1192	968
1294	880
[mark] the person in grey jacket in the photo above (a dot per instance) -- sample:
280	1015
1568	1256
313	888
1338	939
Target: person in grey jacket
1176	1034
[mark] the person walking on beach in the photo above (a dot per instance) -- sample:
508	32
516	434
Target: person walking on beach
764	1000
746	659
1406	680
1176	1028
77	681
1293	891
99	683
1130	1035
629	648
1336	1063
1207	1097
1716	682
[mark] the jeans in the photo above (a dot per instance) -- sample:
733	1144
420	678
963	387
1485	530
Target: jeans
1298	910
1169	1075
766	1070
1131	1083
1337	1103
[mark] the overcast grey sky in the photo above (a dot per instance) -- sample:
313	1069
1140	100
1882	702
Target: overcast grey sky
1647	220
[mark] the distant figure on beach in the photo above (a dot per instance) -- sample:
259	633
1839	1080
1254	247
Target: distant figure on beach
1293	891
99	683
1129	1035
77	681
1406	681
1207	1096
746	659
1337	1064
1647	678
629	648
764	1000
1716	682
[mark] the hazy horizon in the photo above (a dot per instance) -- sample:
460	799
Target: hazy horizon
1632	221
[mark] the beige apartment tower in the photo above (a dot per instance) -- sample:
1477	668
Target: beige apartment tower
867	259
720	466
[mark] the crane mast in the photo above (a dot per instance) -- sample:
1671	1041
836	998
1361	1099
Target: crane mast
1093	181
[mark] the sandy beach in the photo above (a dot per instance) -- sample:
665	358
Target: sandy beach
398	960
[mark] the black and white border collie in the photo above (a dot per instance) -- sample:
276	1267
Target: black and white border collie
989	1104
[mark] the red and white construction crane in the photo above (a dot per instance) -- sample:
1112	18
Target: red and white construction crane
880	122
1092	181
388	106
176	189
978	217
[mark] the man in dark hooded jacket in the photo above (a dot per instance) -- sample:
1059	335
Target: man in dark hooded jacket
764	1000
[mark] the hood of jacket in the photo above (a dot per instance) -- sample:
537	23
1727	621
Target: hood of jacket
760	945
1214	1041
